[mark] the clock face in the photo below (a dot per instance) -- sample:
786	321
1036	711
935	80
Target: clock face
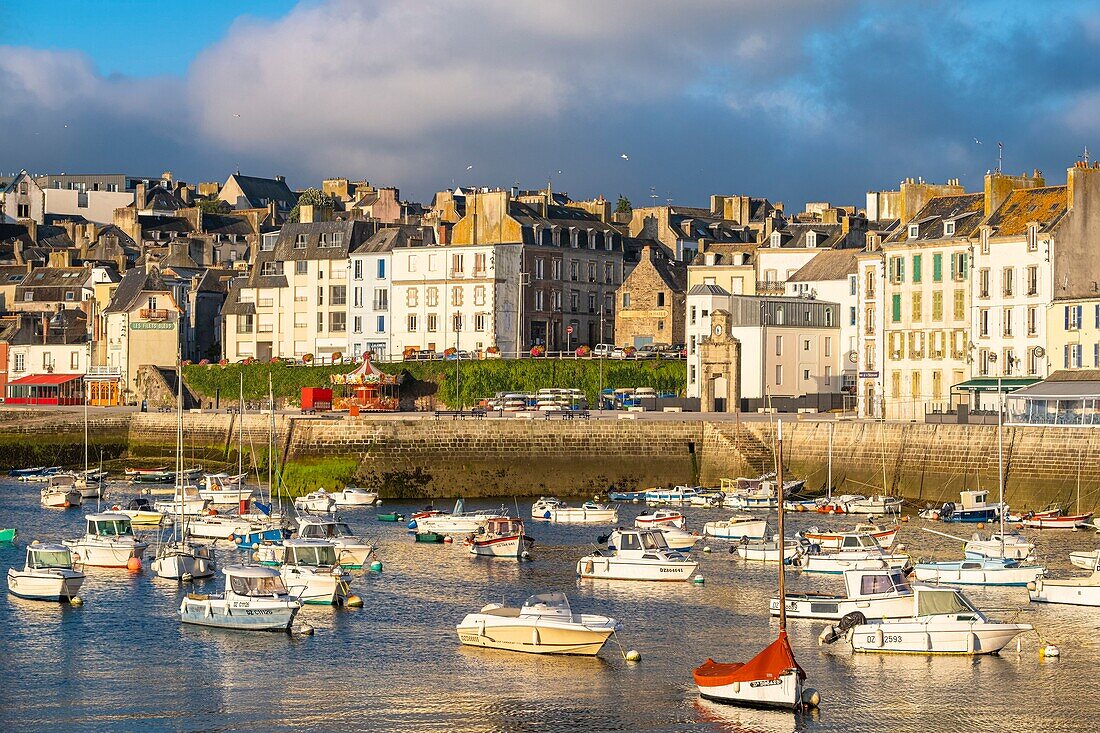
717	330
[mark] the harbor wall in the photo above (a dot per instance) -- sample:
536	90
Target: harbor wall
413	457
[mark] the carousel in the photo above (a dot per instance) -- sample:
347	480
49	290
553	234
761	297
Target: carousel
367	389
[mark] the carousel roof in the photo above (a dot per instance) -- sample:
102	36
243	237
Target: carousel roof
367	373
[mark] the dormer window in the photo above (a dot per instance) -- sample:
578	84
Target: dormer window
985	240
777	239
949	228
1033	238
811	239
914	231
300	242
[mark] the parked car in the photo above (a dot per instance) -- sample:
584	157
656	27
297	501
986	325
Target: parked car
619	353
424	355
649	351
676	351
603	350
460	355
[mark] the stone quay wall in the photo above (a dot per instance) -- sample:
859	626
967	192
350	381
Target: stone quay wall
414	458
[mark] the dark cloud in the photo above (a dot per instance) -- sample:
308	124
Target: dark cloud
795	101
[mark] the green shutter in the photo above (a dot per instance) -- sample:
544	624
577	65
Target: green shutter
916	268
897	307
937	268
965	261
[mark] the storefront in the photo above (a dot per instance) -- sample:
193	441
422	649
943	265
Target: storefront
46	389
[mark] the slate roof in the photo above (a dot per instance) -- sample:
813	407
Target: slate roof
57	277
68	326
708	289
389	238
136	281
1044	205
255	188
966	210
724	253
831	264
224	224
673	274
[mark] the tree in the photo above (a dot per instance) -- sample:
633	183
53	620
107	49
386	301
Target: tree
214	205
623	206
311	197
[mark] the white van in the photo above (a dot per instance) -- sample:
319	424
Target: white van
603	350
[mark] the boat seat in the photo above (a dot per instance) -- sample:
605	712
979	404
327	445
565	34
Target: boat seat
505	612
198	596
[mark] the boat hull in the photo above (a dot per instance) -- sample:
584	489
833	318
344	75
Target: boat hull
105	555
826	565
1082	592
753	530
577	515
512	546
916	637
181	564
217	528
784	693
1021	576
315	588
44	586
833	608
611	568
533	639
215	612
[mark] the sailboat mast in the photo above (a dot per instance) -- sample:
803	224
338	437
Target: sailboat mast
179	448
240	429
782	548
270	439
1001	467
829	480
86	431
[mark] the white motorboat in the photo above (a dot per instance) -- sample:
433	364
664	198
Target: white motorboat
677	538
221	489
706	498
503	537
1080	591
47	575
759	500
352	550
255	599
183	560
556	510
675	495
185	500
874	593
217	527
831	541
313	574
982	571
141	512
108	542
878	505
1084	559
89	486
458	522
858	552
319	501
972	507
60	492
1009	545
636	554
737	527
771	679
942	621
767	550
545	624
660	518
352	497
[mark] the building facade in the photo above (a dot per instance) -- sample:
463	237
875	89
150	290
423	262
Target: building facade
651	304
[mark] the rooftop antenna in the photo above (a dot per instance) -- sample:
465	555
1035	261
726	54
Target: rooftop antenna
1000	155
653	194
1085	157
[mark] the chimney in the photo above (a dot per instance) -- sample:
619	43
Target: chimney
45	327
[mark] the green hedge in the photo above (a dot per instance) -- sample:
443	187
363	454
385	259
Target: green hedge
477	379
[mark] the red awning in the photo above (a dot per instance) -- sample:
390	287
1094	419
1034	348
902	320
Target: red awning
44	380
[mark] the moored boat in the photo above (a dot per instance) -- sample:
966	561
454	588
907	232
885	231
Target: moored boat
1080	591
352	551
352	496
636	554
883	536
108	542
737	527
874	593
857	552
141	512
60	492
660	518
503	537
255	599
1008	545
677	538
545	624
972	507
1056	521
7	536
319	501
981	571
47	575
458	522
767	550
877	505
312	572
556	510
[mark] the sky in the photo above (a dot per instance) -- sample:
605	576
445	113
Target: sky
795	100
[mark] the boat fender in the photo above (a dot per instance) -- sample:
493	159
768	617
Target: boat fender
811	698
76	601
947	510
878	637
828	635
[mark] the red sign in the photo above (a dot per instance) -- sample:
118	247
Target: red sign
569	330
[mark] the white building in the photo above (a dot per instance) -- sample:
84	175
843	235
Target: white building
369	311
455	296
831	276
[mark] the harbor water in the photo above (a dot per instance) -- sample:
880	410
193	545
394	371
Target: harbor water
123	661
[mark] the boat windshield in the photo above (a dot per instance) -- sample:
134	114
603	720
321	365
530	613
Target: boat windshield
877	584
941	603
111	528
312	531
320	556
340	529
654	541
49	559
266	586
547	602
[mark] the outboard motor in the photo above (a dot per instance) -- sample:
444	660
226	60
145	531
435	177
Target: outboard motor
849	621
947	510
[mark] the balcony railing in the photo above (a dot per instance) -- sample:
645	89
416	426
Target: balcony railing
769	287
154	314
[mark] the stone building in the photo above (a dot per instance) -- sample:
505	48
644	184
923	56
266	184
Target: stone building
252	192
650	305
141	324
719	367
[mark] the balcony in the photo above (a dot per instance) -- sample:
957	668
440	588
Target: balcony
154	314
769	287
380	305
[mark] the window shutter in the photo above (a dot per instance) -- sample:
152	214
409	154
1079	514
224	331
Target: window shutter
1077	355
1067	323
916	268
1065	353
965	263
1080	316
901	269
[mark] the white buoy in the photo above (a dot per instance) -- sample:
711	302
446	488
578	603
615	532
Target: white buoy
76	601
706	548
698	580
1050	650
633	656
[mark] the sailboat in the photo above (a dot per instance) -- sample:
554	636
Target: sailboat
771	679
178	558
996	568
89	483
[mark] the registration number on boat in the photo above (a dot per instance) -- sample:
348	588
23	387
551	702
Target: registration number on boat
765	683
886	639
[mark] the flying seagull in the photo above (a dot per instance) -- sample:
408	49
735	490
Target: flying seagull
236	115
977	141
624	156
469	167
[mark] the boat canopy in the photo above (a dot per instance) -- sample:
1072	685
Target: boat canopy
256	586
770	664
49	556
941	602
317	553
641	540
875	582
110	525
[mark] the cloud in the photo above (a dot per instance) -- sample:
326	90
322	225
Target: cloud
788	99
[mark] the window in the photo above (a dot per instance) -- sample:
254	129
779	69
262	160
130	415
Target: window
339	295
74	360
457	265
1033	321
1008	281
828	346
960	305
479	295
1033	280
828	317
20	362
558	269
1032	238
574	301
608	273
357	324
412	263
591	302
431	297
320	322
411	323
937	267
805	344
869	319
958	266
777	239
244	323
268	268
985	240
381	299
479	321
897	270
380	324
539	300
1073	317
456	295
1006	322
69	295
300	242
357	269
479	263
870	284
949	229
916	316
380	268
47	363
778	374
805	375
324	240
301	267
779	313
916	268
591	272
300	294
779	346
895	305
660	325
574	269
914	231
852	315
320	295
357	297
660	299
456	322
300	322
983	282
626	300
983	322
433	323
338	321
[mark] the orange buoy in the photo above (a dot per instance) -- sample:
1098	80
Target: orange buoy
133	565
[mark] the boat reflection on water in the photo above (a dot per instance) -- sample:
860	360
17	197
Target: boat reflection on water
733	719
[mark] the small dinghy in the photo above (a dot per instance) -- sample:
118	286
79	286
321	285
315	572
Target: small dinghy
47	575
767	550
545	624
660	518
771	679
503	537
390	517
737	527
1080	591
255	599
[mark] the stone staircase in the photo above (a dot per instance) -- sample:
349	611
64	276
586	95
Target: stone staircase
731	444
